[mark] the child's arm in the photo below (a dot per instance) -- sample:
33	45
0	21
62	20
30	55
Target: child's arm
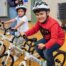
10	21
18	25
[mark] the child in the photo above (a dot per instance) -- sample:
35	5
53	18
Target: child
53	34
22	21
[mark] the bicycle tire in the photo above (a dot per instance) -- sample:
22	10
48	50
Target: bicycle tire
3	50
12	63
57	54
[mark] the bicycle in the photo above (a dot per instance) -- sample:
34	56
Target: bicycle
2	45
7	54
5	57
2	37
43	63
57	60
4	51
59	54
33	58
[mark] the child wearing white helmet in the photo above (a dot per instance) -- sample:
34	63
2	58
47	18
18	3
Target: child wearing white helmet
41	6
22	21
53	34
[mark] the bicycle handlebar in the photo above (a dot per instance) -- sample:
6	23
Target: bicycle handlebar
6	29
32	40
2	24
14	30
30	44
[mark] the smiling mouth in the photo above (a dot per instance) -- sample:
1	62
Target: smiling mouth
42	19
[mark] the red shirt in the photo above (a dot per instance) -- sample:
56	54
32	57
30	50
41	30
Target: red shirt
52	32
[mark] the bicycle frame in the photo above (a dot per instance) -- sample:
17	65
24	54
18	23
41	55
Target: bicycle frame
1	41
9	52
31	57
23	52
27	56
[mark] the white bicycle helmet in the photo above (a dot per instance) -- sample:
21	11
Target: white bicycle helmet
40	5
21	7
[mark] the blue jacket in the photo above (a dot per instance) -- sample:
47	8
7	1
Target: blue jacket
11	3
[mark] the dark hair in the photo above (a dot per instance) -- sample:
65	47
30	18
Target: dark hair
21	8
38	10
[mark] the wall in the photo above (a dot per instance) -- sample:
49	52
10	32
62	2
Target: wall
54	7
3	8
28	5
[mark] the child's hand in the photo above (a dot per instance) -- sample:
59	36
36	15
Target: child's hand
41	46
13	28
16	1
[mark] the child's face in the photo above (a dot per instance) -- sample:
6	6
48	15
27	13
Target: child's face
41	16
20	12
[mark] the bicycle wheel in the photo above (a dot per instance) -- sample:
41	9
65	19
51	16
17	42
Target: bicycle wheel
9	62
59	58
2	50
